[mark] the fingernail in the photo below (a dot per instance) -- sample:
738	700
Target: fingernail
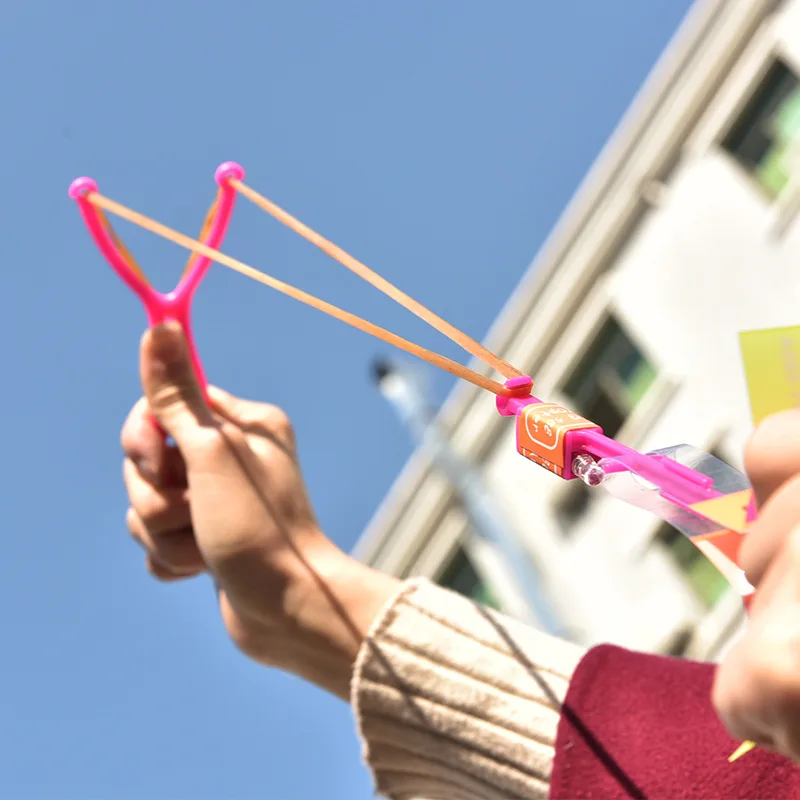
166	342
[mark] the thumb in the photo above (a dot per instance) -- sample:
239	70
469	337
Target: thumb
170	385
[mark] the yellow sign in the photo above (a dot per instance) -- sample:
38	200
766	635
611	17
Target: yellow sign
772	369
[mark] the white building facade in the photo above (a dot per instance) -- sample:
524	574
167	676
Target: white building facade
685	232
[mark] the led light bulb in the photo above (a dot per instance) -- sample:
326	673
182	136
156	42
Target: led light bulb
587	469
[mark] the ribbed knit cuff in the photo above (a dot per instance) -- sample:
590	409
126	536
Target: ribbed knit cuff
455	701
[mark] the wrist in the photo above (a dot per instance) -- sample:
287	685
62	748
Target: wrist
332	606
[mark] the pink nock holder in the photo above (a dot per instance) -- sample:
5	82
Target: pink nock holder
677	483
175	305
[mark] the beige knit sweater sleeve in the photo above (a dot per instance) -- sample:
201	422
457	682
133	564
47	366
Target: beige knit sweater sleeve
456	702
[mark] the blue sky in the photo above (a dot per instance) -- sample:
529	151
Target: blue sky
438	142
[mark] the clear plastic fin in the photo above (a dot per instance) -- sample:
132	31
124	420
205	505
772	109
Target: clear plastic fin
634	490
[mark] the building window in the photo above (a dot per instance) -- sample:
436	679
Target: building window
611	379
702	576
679	643
461	576
572	503
763	138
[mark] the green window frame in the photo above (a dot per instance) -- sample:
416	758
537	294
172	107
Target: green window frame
764	138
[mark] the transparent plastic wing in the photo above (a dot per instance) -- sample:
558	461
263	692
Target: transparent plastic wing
706	534
636	491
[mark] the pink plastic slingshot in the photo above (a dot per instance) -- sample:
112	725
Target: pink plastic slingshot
175	305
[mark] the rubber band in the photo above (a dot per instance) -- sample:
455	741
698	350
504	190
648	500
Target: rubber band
370	276
96	200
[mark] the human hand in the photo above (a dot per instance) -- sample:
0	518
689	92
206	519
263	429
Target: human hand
228	498
757	687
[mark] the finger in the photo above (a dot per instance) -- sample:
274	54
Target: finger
252	417
157	462
757	687
768	534
164	574
171	388
176	551
772	455
733	699
162	510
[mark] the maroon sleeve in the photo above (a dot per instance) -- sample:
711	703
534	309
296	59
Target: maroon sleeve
637	725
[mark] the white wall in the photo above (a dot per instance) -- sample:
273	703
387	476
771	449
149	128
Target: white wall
701	268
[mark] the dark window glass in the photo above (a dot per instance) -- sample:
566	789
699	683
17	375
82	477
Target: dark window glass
461	576
763	137
610	380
